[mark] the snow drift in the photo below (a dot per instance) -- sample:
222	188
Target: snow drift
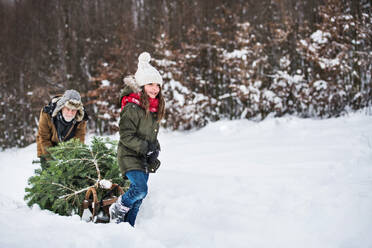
284	182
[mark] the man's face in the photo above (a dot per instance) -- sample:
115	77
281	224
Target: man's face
68	114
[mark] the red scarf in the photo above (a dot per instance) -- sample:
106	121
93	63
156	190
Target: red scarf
135	98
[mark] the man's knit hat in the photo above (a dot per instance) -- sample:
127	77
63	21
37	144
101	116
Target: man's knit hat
72	100
146	73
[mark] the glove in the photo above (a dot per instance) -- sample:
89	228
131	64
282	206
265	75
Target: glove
152	153
152	157
151	148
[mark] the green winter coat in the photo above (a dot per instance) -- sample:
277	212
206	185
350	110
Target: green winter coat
136	131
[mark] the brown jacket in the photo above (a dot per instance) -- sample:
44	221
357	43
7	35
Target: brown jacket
47	134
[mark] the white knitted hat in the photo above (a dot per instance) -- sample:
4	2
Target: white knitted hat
146	73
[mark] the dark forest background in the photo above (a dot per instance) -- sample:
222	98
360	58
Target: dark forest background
221	59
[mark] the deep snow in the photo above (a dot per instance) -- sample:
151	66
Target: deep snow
284	182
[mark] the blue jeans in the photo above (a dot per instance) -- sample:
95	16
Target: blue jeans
135	194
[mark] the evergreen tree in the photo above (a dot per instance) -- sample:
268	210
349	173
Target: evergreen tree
72	169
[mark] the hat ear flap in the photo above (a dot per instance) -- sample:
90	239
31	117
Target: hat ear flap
80	114
59	106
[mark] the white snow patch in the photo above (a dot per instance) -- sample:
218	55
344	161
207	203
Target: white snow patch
284	182
105	83
239	54
320	37
328	63
320	85
106	184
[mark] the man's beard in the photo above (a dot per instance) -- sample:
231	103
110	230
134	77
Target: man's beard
68	119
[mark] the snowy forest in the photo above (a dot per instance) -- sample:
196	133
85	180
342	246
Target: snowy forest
220	59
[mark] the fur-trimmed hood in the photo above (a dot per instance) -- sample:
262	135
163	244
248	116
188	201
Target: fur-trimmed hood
130	86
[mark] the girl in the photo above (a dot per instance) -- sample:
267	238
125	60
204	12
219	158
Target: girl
143	107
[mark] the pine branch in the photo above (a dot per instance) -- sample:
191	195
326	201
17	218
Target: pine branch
67	196
91	178
62	186
107	155
95	161
75	159
96	185
63	148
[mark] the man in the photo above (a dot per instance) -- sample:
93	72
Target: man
62	119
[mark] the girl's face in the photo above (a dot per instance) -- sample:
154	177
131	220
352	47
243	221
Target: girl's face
152	90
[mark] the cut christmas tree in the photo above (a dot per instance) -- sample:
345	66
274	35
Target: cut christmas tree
78	179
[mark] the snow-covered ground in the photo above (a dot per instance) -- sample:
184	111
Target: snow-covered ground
284	182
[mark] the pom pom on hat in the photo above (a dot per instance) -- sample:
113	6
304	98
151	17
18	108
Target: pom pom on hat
144	57
146	73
